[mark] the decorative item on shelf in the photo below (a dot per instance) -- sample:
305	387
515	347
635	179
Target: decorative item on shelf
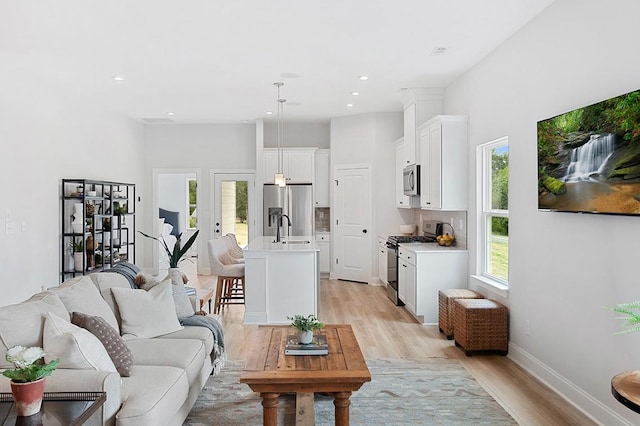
305	326
77	225
178	253
91	209
80	189
106	224
92	245
78	254
446	239
28	377
120	210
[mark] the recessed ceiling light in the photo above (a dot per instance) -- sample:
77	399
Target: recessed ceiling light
118	78
171	113
349	105
355	93
363	77
269	112
290	75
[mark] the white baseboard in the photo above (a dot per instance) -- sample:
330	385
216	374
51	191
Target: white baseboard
591	407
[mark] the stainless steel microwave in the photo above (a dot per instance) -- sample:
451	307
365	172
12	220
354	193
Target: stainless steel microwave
411	180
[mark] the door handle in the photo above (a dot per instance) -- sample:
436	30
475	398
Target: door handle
364	231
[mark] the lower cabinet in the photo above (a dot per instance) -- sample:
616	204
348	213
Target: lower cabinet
383	260
324	244
421	274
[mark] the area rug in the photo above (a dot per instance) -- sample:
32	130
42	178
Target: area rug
433	391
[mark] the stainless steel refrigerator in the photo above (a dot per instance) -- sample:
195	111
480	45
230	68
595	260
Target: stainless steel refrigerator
293	200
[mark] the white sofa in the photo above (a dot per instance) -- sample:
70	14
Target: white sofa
168	370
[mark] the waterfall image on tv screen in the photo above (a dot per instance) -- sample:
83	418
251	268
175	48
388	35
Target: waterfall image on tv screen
589	158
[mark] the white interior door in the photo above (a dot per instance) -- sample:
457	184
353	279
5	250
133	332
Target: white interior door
352	223
233	199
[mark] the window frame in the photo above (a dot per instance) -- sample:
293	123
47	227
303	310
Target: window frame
486	212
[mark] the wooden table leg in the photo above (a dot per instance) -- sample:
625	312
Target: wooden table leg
341	401
269	408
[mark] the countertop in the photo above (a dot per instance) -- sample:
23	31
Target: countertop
424	247
267	244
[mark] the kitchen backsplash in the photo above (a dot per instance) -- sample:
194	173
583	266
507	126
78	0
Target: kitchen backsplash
323	219
459	219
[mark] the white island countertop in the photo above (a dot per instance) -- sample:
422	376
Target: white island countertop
296	244
281	280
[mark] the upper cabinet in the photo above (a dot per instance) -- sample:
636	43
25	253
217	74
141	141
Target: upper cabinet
297	164
443	160
402	201
321	184
420	104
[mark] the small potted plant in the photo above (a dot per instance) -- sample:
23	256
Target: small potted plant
78	254
27	378
176	255
305	326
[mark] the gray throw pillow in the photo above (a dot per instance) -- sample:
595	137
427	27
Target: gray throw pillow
118	351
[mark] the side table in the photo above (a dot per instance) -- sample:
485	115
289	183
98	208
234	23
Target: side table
625	387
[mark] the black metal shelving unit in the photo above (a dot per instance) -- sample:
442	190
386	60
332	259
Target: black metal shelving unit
101	216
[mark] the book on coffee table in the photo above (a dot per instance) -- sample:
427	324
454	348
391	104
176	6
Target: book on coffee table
318	346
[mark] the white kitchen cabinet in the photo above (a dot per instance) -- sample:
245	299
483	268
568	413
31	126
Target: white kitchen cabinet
323	241
321	184
443	163
298	164
383	260
429	268
420	104
407	279
402	201
409	149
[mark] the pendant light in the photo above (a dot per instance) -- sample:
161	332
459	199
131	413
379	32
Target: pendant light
279	178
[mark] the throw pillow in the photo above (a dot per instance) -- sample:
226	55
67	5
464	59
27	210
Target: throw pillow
82	295
75	347
147	281
184	308
146	314
118	351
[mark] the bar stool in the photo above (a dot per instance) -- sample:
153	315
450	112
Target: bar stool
233	248
230	283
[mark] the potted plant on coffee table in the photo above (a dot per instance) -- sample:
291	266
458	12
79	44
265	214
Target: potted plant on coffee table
27	378
305	327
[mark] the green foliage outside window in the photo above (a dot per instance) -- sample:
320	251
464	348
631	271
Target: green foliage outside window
193	186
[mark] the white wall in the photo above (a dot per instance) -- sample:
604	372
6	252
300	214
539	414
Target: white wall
368	138
48	133
306	135
563	267
198	148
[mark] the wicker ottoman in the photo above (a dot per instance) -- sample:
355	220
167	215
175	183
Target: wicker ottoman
445	307
481	325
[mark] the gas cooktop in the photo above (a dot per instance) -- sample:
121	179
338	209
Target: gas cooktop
402	239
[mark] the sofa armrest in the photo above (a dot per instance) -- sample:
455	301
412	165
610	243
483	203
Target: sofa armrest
195	302
67	380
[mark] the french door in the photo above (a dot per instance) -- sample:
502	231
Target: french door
233	206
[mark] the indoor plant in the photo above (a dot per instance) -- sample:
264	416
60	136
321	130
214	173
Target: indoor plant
78	254
27	378
305	326
177	254
632	318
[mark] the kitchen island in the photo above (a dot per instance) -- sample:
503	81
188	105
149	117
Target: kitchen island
281	279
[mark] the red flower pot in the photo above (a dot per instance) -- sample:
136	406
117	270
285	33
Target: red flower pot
28	397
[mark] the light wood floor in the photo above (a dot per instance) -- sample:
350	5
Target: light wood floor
386	331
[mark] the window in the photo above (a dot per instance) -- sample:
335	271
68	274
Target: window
192	219
493	196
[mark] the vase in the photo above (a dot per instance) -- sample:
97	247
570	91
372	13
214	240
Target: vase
305	337
78	261
28	397
77	226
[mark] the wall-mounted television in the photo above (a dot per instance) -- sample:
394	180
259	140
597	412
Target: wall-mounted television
589	158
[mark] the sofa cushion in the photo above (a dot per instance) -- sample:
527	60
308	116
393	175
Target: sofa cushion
81	295
146	314
118	351
152	395
75	347
22	323
105	282
190	332
181	353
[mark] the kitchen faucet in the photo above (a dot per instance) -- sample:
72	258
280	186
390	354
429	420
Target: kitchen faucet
279	217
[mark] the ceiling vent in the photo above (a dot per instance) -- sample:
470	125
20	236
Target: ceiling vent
438	51
158	120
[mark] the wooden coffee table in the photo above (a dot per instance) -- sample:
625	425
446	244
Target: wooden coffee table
339	373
